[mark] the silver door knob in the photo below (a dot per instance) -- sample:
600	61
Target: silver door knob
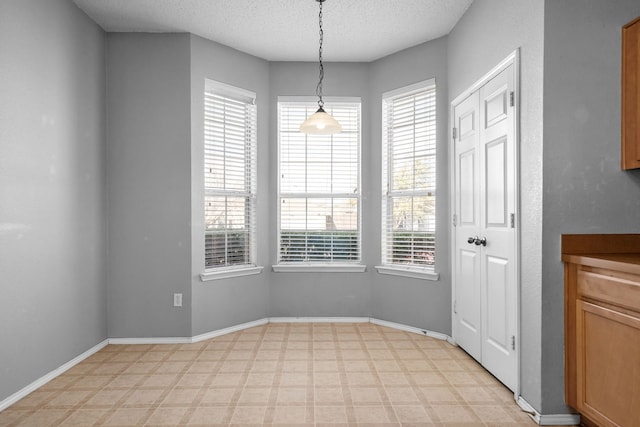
479	242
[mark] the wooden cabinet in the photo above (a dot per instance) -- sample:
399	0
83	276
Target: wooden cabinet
631	95
602	327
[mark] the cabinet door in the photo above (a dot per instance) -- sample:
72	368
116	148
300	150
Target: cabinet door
631	95
608	365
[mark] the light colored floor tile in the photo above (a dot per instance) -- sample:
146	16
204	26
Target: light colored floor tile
259	379
218	395
43	417
69	398
160	380
208	416
361	379
290	415
292	395
167	416
326	379
412	414
330	414
254	396
91	382
365	395
455	414
127	417
437	394
325	366
371	414
106	397
401	395
248	415
328	395
293	379
181	396
143	397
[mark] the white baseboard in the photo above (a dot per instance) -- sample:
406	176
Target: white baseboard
51	375
229	330
318	320
548	419
152	340
412	329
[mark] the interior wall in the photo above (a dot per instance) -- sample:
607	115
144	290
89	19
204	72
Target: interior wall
486	34
420	303
223	303
52	180
322	294
149	184
585	190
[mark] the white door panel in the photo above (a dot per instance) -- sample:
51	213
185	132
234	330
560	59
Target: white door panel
496	188
468	197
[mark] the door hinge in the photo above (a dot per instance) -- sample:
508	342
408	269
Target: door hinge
513	342
455	311
512	221
455	220
512	98
455	133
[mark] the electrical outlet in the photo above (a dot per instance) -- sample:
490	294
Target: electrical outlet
177	300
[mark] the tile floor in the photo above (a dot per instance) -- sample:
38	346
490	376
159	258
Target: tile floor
276	374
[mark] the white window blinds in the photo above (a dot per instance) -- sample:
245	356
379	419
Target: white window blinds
409	176
229	175
319	186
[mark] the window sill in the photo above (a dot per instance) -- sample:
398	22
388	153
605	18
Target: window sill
229	272
413	272
319	268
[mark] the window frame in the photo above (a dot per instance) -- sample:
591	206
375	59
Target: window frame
387	266
249	192
355	266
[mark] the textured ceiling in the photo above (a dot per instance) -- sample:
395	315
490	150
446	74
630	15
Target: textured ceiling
287	30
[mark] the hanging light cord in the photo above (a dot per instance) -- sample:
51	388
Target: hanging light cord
321	77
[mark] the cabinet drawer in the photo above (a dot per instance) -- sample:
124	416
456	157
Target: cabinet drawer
613	290
608	365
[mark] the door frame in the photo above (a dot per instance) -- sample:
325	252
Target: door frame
512	59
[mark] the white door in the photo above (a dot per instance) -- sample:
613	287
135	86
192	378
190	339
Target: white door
467	318
485	253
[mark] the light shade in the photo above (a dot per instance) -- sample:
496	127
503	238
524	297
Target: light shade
320	123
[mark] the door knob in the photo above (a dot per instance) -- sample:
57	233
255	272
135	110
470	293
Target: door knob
479	242
471	240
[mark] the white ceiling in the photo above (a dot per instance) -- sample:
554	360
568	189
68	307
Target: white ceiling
287	30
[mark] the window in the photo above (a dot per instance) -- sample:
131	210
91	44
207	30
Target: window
319	187
409	177
229	176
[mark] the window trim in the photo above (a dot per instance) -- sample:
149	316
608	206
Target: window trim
250	268
408	271
320	266
427	272
228	272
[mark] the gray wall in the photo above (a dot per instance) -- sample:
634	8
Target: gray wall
488	32
322	294
222	303
420	303
52	177
585	191
149	184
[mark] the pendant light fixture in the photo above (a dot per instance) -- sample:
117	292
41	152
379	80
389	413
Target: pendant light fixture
320	122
